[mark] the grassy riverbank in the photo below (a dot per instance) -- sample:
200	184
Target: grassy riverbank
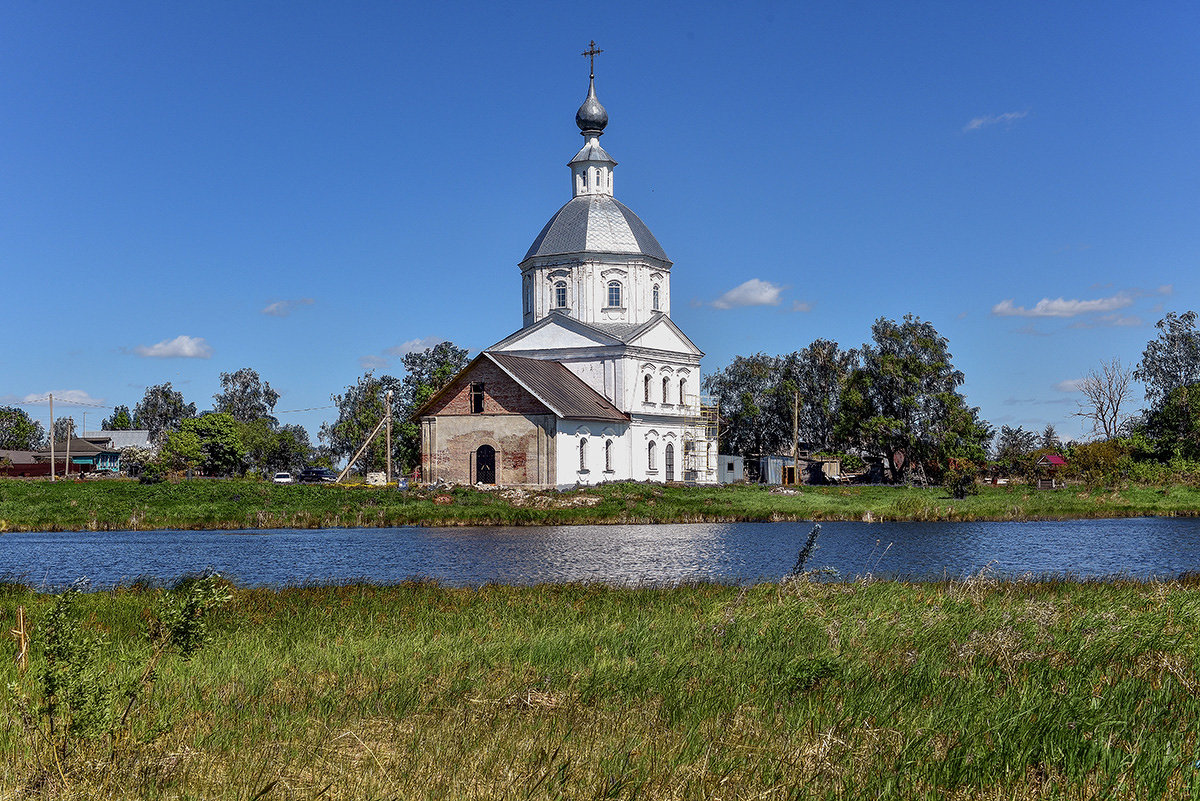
967	690
246	504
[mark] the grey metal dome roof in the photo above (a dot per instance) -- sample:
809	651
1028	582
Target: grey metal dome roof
595	224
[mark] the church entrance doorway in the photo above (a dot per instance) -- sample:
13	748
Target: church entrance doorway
485	465
670	462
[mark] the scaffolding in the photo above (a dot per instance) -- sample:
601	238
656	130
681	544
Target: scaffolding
701	431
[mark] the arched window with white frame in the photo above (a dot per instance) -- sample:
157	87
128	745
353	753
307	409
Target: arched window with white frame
646	389
560	294
608	456
666	390
583	454
682	390
614	293
654	296
650	456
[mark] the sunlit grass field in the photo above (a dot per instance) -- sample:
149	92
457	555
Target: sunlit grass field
975	689
113	505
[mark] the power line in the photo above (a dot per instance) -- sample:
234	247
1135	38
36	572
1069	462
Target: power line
61	402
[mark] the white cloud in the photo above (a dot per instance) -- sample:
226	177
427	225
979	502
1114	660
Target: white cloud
987	120
413	346
377	361
1114	320
754	292
282	308
1061	307
801	306
1166	289
181	347
1069	385
373	362
67	397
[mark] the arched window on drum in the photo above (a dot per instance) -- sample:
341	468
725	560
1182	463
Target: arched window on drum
614	294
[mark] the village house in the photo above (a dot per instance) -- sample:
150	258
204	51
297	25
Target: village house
599	384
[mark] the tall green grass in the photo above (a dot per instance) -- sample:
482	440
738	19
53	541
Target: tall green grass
974	689
114	505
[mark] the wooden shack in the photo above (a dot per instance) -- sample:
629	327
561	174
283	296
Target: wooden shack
1049	468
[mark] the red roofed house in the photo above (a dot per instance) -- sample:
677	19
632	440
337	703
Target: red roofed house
1050	464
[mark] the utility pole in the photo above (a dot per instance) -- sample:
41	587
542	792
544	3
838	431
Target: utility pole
796	436
67	460
354	458
51	436
388	401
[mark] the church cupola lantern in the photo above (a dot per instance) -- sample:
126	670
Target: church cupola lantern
592	167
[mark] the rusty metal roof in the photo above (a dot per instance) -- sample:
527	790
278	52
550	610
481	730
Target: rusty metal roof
568	395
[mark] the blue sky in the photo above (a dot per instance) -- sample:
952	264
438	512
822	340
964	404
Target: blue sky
310	189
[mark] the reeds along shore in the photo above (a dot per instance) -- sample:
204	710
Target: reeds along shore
118	505
976	689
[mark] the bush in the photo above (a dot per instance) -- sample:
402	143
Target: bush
960	480
153	473
1101	464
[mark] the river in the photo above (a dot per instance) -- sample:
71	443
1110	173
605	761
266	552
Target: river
636	554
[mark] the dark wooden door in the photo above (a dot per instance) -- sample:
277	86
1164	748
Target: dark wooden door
485	465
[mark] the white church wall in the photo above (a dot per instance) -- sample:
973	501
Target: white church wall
606	453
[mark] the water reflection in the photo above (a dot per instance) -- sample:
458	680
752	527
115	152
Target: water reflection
734	553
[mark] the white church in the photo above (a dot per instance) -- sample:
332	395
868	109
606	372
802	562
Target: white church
598	384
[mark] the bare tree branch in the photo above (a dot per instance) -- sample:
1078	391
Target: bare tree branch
1105	391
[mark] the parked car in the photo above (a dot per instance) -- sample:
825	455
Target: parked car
284	478
317	475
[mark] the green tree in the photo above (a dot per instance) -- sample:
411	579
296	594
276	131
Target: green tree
221	441
817	374
1050	439
360	408
1014	447
19	431
426	372
903	403
748	394
162	411
270	449
181	450
120	420
245	396
1174	424
1172	360
64	426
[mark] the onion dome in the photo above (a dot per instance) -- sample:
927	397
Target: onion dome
591	117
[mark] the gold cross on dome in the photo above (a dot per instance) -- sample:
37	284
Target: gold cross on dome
591	53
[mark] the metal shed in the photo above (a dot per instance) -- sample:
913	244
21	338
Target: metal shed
730	469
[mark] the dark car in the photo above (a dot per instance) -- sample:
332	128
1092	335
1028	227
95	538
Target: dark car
317	475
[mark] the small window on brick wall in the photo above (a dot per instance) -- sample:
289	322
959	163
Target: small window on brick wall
477	397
